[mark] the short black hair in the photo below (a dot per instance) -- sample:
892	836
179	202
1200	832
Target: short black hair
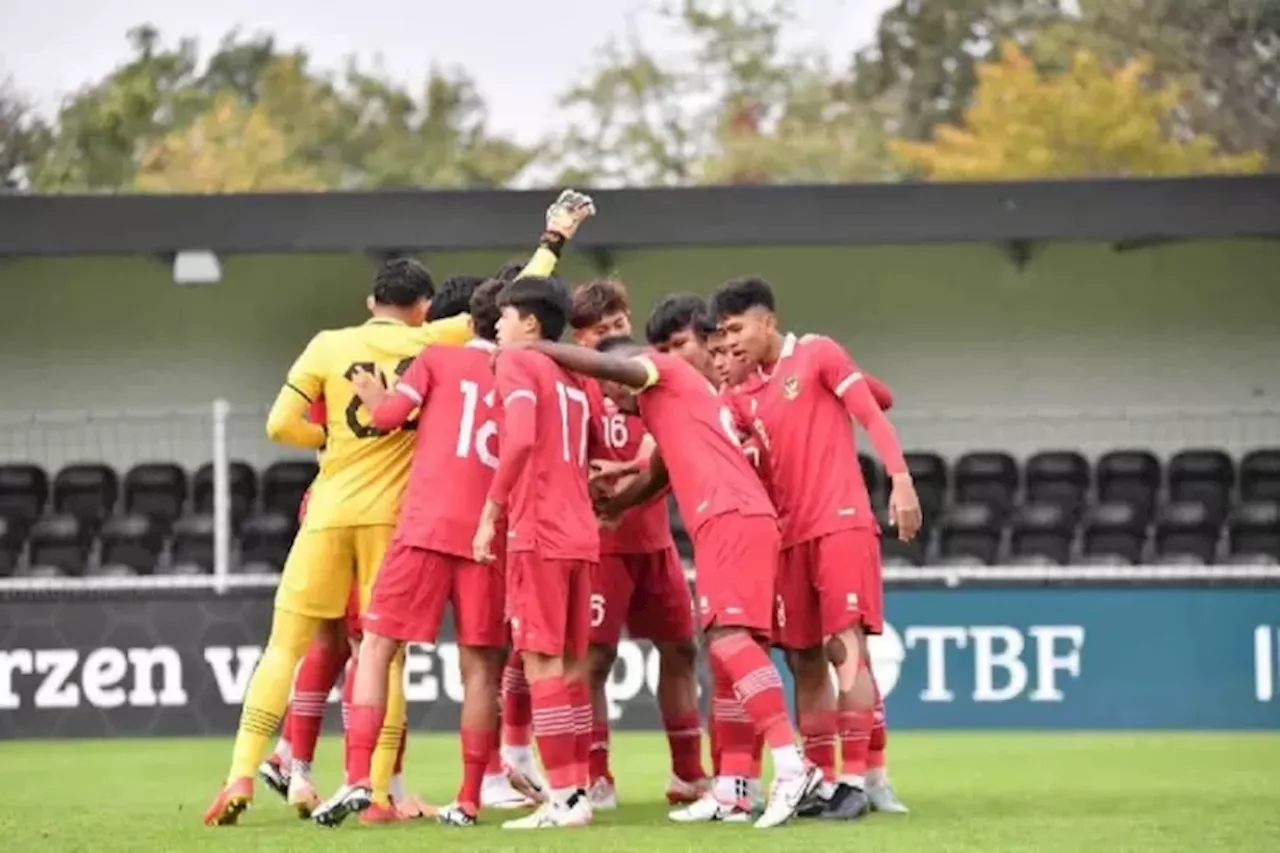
484	308
675	313
509	271
453	297
544	298
402	282
596	299
739	295
617	342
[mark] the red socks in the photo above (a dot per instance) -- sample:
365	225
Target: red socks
555	727
739	659
855	741
517	713
684	737
879	735
316	676
598	755
584	724
818	732
735	731
494	767
362	739
478	746
714	738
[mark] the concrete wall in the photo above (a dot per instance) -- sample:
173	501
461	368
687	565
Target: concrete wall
1085	347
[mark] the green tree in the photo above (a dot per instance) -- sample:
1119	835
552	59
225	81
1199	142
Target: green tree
1089	121
24	138
734	106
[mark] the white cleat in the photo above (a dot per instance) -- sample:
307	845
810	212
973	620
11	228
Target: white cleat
524	777
602	795
682	793
786	795
884	799
274	774
497	792
303	797
350	799
455	815
554	815
710	809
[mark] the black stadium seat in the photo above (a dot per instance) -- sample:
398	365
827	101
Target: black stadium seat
1041	533
873	475
265	539
24	490
193	544
1253	529
88	491
11	544
970	531
1207	476
989	478
1060	477
895	552
157	490
1185	531
284	484
135	541
62	542
1113	531
929	471
243	487
1260	475
1131	476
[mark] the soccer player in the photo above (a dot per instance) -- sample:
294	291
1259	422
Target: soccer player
735	538
803	400
639	583
549	425
354	500
430	561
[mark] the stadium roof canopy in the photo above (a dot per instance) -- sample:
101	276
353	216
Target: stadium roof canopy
1126	213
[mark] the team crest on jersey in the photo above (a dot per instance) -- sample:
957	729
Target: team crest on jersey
791	387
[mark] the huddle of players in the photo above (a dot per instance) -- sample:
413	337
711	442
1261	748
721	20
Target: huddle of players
568	593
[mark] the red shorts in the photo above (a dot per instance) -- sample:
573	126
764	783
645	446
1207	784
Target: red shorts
549	604
827	585
736	557
647	593
413	586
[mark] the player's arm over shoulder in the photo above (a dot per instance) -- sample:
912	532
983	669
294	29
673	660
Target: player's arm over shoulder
451	331
287	422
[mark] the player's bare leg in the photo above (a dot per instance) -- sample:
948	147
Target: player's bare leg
678	705
856	702
481	689
264	707
601	790
879	789
518	762
738	657
816	713
561	726
368	713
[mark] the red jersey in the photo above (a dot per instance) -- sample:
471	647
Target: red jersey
456	450
697	436
550	420
802	411
644	529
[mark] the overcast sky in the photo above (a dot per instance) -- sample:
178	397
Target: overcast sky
51	47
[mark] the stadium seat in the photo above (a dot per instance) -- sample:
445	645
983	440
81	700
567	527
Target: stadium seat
283	485
1102	560
192	544
24	490
1185	529
265	539
157	490
40	573
1041	534
929	471
11	543
1113	529
1179	558
989	478
895	552
873	476
113	570
1260	475
1131	476
970	531
243	486
1207	476
1254	529
88	491
136	541
1060	477
62	542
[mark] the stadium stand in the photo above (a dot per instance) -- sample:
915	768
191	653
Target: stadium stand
1200	508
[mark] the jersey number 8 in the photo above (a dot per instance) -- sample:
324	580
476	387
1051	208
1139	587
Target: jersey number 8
358	429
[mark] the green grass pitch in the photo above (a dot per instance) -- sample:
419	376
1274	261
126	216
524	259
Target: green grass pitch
1047	793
